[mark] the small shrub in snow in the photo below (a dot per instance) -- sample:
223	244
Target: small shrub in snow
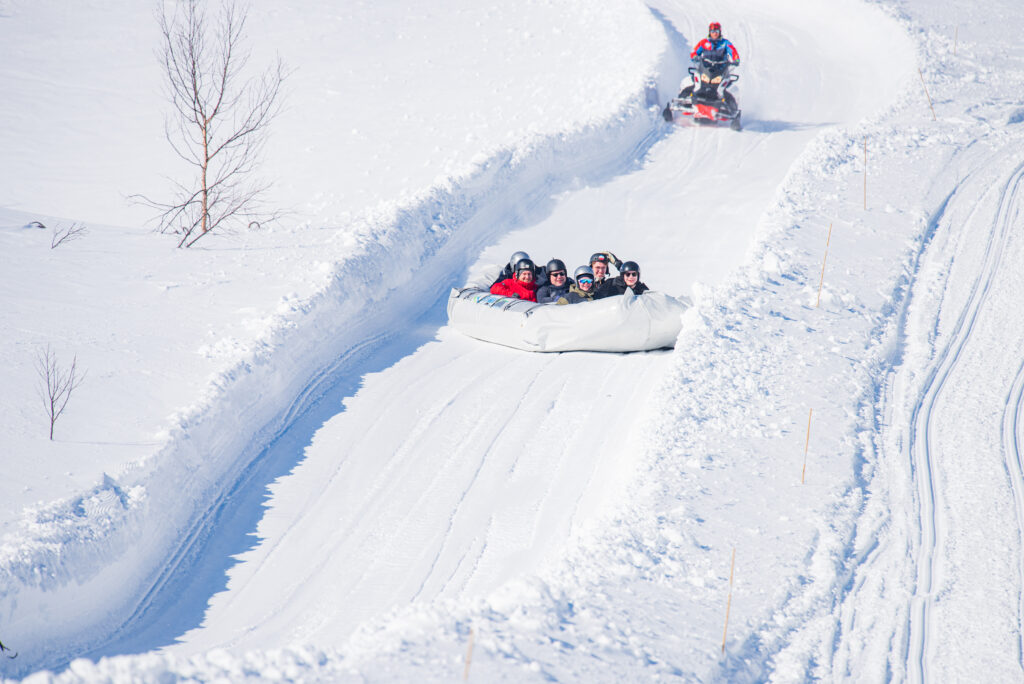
57	384
62	235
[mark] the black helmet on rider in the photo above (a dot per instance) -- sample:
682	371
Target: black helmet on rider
630	267
555	266
524	265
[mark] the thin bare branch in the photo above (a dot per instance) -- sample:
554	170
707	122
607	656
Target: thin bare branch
62	235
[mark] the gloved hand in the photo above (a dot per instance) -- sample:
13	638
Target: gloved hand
612	258
736	63
562	300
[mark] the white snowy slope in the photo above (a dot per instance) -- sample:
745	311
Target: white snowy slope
490	459
840	413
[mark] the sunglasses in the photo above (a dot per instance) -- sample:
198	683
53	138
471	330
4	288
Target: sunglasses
557	274
630	274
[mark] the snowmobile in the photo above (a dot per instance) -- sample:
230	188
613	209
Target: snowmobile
708	101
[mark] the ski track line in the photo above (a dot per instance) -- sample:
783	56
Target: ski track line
372	495
469	485
1011	441
923	467
356	530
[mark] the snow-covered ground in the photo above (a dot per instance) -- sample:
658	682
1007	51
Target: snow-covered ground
282	465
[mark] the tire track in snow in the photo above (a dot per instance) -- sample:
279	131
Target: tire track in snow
930	495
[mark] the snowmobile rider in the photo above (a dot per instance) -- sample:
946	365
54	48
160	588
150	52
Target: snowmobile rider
521	285
558	283
628	279
715	47
599	264
582	290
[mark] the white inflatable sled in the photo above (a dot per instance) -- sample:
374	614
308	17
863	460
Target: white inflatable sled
614	324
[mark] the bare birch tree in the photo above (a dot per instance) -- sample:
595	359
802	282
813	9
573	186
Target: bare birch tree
57	384
219	121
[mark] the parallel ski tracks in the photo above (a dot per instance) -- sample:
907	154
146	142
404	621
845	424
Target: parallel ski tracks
1011	437
930	497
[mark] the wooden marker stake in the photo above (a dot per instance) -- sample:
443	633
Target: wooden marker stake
728	605
806	444
822	280
865	174
469	656
934	118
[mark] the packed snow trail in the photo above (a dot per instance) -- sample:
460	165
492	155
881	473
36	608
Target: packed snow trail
444	478
562	424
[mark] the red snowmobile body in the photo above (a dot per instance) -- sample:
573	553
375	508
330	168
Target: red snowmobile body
708	101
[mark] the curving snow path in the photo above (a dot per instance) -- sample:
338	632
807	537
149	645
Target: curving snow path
465	465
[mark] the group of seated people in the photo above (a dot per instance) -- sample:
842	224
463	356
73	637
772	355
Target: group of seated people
551	284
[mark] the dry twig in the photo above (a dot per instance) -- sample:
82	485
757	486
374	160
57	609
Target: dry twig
62	235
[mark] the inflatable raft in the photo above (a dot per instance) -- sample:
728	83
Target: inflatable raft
614	324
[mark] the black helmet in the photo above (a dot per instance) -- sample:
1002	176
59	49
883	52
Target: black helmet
628	266
598	256
555	265
516	257
524	265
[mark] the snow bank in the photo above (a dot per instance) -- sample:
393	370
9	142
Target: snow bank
77	571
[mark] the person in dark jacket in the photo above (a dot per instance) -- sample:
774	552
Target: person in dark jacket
521	286
599	263
628	279
558	283
582	290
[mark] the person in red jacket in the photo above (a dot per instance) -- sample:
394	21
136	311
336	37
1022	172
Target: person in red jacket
715	46
521	285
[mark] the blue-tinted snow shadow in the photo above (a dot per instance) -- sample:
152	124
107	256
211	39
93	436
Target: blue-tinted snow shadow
675	37
770	126
201	571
